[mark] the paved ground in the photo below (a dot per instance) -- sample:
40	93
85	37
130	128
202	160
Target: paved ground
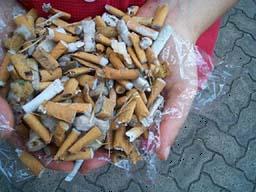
216	150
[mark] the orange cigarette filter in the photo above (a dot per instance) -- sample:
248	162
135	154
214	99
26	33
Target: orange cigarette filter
78	71
86	79
106	106
103	40
91	58
124	116
34	165
14	43
143	96
160	16
33	122
58	36
86	63
157	88
116	61
93	134
135	155
121	101
135	58
22	20
82	155
64	15
60	133
67	26
120	141
109	32
86	95
121	74
119	89
147	21
50	75
32	13
139	51
78	98
109	140
60	49
99	22
72	137
4	74
100	48
47	61
114	11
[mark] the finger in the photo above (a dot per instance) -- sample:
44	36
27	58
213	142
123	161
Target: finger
100	159
178	103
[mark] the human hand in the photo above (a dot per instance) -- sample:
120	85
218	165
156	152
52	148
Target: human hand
181	88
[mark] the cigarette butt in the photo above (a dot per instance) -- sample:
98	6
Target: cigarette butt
46	60
108	51
93	134
132	10
78	98
103	40
86	63
125	113
22	68
100	48
70	90
116	61
104	108
121	101
59	134
22	131
91	58
135	155
33	122
109	140
42	85
68	27
135	133
81	107
113	96
157	88
163	70
141	109
160	16
60	49
126	18
151	57
50	75
78	71
49	9
121	74
147	21
99	22
119	89
82	155
32	13
135	58
142	30
71	138
57	36
126	84
31	162
22	21
4	74
120	141
143	96
114	11
86	79
139	51
14	43
146	134
13	72
61	111
109	32
86	95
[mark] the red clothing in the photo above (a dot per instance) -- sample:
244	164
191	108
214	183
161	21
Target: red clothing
80	9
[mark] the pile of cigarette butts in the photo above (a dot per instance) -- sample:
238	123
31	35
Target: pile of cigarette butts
86	85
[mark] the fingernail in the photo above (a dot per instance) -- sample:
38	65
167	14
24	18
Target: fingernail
165	153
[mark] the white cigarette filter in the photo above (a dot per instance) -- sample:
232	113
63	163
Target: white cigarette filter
100	60
110	20
135	132
51	91
75	170
162	39
89	35
124	32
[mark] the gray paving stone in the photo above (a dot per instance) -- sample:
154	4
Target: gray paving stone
204	184
235	100
191	163
244	23
4	184
187	133
251	69
229	34
248	7
49	180
93	175
254	96
226	176
226	17
248	163
245	128
163	167
80	184
114	180
132	187
247	43
220	142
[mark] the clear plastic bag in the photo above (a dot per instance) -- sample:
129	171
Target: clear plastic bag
186	62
